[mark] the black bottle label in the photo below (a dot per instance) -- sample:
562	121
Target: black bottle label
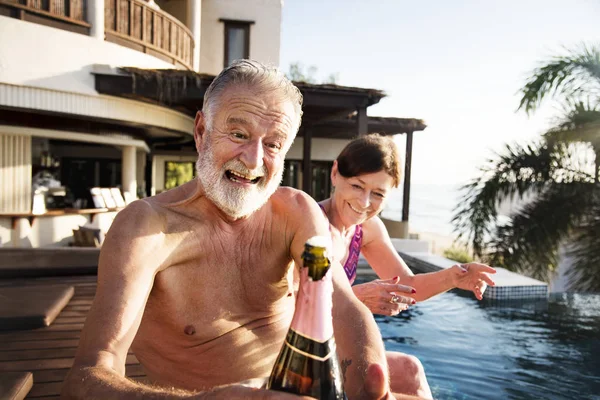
307	367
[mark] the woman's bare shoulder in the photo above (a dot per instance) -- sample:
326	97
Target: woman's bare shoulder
373	230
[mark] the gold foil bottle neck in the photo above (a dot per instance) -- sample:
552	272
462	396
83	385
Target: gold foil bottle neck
315	256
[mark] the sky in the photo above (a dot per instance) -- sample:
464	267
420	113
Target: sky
458	65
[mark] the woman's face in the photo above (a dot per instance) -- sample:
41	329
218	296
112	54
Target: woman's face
360	197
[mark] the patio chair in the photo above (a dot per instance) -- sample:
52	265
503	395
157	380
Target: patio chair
87	237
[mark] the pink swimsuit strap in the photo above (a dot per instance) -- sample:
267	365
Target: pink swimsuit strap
353	251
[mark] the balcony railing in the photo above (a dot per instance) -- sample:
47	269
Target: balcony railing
134	24
63	14
130	23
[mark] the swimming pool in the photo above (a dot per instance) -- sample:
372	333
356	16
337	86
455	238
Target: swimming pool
472	350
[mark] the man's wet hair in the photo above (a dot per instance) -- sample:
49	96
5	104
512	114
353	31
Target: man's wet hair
255	75
369	154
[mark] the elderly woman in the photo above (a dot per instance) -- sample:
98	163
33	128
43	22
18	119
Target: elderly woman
362	177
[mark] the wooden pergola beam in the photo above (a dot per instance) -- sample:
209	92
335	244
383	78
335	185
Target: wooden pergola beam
306	161
407	170
362	121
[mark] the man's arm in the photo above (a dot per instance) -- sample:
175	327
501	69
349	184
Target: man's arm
131	256
129	260
357	336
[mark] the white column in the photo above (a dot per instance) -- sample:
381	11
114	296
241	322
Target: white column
141	169
128	169
95	17
194	16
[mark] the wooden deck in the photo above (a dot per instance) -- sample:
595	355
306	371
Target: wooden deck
48	352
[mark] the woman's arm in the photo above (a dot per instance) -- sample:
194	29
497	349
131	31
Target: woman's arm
385	261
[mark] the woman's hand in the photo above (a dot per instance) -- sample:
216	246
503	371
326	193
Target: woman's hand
385	297
473	277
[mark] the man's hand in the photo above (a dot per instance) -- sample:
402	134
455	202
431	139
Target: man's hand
473	277
385	297
376	383
377	388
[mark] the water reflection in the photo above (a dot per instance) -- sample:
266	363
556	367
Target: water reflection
529	350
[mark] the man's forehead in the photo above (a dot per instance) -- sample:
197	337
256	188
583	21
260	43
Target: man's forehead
264	96
238	106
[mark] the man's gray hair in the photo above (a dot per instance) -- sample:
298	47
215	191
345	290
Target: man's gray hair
254	75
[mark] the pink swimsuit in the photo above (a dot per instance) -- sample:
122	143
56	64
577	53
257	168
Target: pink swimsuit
353	252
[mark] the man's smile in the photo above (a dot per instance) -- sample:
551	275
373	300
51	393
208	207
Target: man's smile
239	177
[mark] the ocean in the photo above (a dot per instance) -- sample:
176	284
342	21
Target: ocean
430	210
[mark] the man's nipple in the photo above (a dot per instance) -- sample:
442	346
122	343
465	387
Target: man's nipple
189	330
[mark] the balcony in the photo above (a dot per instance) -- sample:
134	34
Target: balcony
63	14
130	23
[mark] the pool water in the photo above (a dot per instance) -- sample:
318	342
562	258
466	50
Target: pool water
473	350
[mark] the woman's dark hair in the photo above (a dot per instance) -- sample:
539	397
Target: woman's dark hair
369	154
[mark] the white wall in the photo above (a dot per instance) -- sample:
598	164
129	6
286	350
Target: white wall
56	231
5	231
40	56
321	149
265	33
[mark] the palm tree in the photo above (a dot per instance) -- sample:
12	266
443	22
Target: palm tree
560	172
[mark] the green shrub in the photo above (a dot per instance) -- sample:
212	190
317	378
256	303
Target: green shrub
458	254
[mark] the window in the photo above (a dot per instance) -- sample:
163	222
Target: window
81	174
292	174
178	173
237	40
321	179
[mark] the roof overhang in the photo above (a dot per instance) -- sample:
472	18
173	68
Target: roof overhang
184	91
345	128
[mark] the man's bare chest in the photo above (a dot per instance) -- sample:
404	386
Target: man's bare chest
211	276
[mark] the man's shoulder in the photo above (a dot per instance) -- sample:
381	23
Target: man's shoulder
146	207
140	215
291	197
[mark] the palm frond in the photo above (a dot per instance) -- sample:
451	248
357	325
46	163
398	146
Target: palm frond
580	122
579	125
529	243
584	274
573	75
517	171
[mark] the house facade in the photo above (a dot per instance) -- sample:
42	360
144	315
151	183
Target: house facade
89	101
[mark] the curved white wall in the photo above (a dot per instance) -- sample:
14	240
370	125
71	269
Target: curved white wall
40	56
265	33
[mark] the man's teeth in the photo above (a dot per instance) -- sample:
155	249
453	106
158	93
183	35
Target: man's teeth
235	175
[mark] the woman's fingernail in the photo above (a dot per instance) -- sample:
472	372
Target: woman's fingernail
413	302
413	291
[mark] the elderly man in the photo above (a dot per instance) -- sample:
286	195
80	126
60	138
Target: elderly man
199	280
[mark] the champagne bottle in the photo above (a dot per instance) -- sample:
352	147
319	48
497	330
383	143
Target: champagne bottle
307	363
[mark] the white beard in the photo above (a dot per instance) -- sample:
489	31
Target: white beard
234	200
